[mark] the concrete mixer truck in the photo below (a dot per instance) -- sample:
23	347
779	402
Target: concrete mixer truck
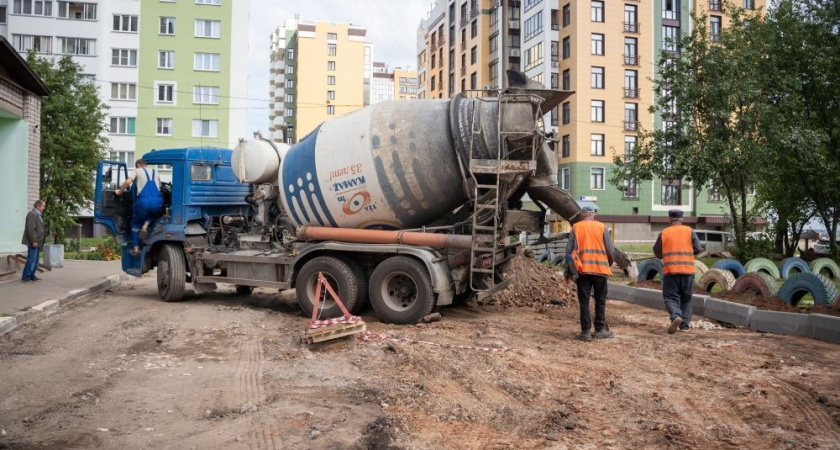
406	205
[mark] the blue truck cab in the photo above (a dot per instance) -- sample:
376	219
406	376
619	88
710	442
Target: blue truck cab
204	188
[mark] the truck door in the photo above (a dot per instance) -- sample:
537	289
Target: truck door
111	210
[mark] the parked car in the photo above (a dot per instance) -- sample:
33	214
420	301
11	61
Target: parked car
821	247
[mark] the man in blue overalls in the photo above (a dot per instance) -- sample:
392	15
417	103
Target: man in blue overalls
148	204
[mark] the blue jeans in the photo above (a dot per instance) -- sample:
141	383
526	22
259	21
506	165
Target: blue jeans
31	266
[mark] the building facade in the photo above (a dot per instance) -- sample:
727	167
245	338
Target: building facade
104	38
319	70
397	84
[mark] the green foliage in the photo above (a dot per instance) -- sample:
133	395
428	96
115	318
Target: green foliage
105	249
72	122
754	248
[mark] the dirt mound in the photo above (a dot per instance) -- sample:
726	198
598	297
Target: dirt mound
536	285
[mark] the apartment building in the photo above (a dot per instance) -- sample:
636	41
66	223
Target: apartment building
397	84
104	38
319	70
460	46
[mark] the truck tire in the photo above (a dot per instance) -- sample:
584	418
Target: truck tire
341	278
758	282
244	290
547	256
401	290
798	265
825	264
171	273
700	269
763	265
732	265
717	277
362	280
650	269
821	288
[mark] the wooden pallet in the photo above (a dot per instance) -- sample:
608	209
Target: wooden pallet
336	331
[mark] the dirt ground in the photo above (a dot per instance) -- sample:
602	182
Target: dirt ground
125	370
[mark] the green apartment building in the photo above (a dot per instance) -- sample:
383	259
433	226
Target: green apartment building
193	74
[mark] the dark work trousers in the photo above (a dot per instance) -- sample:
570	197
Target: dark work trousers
676	289
585	285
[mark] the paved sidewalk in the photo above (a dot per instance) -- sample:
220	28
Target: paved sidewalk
59	283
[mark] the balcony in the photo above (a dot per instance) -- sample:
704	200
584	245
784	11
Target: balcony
474	12
631	60
631	93
715	5
631	125
513	24
631	27
714	37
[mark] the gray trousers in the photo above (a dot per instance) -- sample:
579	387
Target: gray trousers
676	290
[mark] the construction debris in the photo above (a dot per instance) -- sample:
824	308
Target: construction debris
536	284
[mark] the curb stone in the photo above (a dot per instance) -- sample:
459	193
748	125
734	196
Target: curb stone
8	324
826	328
729	312
795	324
698	304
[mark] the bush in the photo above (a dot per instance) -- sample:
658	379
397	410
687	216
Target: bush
755	248
106	250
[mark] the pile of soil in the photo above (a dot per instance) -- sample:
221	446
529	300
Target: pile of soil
535	285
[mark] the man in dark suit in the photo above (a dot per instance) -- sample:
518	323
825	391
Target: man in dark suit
33	238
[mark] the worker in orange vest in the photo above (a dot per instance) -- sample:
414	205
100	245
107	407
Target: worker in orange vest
676	246
589	258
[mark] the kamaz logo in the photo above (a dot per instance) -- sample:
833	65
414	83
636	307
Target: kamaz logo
347	184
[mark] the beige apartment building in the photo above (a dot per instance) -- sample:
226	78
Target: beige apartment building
319	70
397	84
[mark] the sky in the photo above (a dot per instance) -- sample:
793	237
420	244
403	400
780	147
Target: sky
391	24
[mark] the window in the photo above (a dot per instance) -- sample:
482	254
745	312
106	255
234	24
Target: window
473	81
566	146
86	78
533	56
555	19
206	95
164	127
671	38
25	43
567	47
122	125
567	15
125	23
331	49
167	25
166	59
207	61
631	116
126	157
205	128
596	178
33	7
473	55
290	84
565	178
331	95
123	91
597	44
330	110
555	81
567	80
208	28
671	192
555	52
715	194
671	9
597	11
630	56
597	77
597	145
597	107
208	2
290	98
290	54
629	146
330	80
631	18
749	4
124	57
528	4
3	14
631	189
330	65
77	46
533	26
164	92
474	29
554	117
332	36
631	87
567	113
714	29
201	172
290	112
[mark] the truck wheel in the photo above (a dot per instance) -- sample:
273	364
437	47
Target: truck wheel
171	273
340	277
244	290
362	280
401	290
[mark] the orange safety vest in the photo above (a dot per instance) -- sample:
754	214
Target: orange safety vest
677	252
590	256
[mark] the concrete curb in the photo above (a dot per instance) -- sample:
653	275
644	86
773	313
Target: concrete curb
815	326
8	324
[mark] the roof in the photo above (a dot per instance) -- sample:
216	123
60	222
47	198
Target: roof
208	154
18	70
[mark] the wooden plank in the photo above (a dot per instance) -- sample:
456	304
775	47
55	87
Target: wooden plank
334	332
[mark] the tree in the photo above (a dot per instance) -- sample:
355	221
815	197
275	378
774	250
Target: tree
72	122
710	102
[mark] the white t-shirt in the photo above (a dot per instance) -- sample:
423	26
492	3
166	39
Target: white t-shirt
140	178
